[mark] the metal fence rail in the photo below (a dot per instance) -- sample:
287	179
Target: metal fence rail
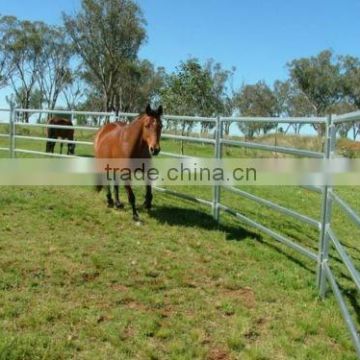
327	236
278	120
271	233
279	149
51	126
2	123
188	138
33	152
346	208
276	207
345	258
354	116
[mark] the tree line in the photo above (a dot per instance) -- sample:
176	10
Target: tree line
91	62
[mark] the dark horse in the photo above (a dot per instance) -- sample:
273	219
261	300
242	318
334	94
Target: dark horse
55	133
137	140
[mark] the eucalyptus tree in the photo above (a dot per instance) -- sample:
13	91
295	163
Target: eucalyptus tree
351	87
196	89
106	34
74	91
5	65
56	72
35	101
139	84
23	42
291	102
319	79
256	100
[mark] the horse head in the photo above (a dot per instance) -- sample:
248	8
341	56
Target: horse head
152	129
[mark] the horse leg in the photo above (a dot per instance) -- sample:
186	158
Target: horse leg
131	198
61	147
110	201
118	203
50	146
148	197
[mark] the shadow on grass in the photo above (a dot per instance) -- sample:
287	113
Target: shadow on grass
85	155
170	215
275	246
353	297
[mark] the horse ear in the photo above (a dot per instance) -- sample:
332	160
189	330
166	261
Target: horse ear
148	110
160	110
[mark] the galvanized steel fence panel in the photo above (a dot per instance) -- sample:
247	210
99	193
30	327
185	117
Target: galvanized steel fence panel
327	236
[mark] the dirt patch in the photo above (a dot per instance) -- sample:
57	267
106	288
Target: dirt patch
218	354
135	305
90	276
167	311
261	322
252	335
246	295
119	287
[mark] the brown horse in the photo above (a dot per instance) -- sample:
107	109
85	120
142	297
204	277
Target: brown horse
67	134
137	140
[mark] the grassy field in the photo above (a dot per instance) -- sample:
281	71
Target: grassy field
80	281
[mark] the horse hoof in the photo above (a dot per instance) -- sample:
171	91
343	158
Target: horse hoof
110	205
147	206
119	206
136	218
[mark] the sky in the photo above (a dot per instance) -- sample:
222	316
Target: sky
258	37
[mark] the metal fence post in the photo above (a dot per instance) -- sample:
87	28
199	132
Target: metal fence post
12	129
216	189
326	207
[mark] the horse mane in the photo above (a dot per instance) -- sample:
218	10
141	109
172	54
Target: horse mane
136	120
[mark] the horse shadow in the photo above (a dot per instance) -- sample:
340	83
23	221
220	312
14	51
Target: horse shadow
171	215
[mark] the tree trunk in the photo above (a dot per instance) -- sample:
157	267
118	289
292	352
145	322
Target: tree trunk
26	106
276	142
182	141
354	131
227	127
287	129
106	107
320	129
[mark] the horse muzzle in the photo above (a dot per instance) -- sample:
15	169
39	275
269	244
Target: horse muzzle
154	150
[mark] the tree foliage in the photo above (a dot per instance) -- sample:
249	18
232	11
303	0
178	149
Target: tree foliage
5	63
256	100
107	35
92	63
291	101
56	71
74	91
23	42
319	79
196	89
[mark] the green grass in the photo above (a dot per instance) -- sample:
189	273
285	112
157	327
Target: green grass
80	281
